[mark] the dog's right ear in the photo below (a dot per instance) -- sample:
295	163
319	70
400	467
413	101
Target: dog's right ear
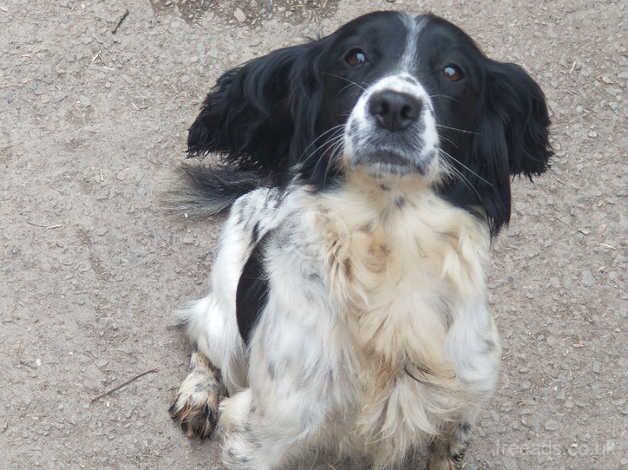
247	116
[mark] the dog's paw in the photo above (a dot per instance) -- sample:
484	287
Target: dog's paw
195	409
449	460
440	463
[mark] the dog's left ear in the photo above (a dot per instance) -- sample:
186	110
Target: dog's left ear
512	138
519	104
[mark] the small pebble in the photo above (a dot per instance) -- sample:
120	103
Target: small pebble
552	425
587	278
531	421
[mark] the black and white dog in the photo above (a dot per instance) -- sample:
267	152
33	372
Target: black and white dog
365	173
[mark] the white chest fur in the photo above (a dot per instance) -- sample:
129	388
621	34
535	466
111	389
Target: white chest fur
376	313
406	272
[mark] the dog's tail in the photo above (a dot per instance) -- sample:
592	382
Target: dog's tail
210	190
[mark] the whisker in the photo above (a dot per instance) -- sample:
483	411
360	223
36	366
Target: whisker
331	162
349	85
448	140
331	130
346	80
457	173
465	167
464	131
329	143
445	96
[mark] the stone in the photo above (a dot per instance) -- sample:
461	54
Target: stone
552	425
239	15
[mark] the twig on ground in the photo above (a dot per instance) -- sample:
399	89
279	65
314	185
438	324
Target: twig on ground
128	382
122	18
47	227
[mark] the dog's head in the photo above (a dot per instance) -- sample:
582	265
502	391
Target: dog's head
389	94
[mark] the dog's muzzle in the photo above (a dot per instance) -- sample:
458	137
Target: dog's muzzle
392	130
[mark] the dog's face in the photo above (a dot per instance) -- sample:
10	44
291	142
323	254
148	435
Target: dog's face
374	75
390	94
392	126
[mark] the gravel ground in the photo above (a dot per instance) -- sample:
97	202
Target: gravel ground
91	125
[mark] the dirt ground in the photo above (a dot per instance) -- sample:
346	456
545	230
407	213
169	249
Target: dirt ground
91	123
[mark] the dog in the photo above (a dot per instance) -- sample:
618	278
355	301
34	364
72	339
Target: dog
365	174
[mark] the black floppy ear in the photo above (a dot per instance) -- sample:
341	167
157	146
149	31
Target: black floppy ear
248	116
512	138
519	103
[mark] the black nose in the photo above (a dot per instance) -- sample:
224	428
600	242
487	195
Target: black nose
393	110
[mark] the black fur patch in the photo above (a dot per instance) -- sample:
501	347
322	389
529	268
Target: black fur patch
252	291
256	232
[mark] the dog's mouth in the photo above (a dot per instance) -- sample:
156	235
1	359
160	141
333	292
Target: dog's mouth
392	162
381	162
387	157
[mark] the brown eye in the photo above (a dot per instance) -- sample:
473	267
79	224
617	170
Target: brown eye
355	57
452	72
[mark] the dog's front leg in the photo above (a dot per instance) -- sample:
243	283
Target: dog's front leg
292	393
263	434
473	345
300	358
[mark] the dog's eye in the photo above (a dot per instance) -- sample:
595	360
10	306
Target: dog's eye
452	72
355	57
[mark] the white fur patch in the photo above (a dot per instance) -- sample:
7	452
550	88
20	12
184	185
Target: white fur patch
414	26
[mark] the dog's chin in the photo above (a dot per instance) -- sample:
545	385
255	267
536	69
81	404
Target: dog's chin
386	164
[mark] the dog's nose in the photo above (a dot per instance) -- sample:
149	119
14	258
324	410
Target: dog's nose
393	110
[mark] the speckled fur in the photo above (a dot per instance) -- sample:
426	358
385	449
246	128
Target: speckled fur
375	338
